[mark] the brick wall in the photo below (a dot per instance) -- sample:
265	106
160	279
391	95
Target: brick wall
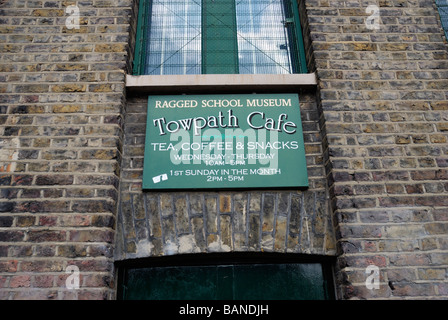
376	142
61	100
383	97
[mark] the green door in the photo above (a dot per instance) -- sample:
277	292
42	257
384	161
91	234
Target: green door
290	281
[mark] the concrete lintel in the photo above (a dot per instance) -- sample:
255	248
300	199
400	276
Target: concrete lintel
220	82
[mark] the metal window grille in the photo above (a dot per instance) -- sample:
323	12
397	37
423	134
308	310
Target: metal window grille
229	36
443	11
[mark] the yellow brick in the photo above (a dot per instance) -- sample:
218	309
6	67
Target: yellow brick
82	29
438	138
66	109
442	126
440	105
100	88
110	47
394	47
224	203
69	88
48	13
364	47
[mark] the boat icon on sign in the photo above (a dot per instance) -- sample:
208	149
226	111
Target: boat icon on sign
160	178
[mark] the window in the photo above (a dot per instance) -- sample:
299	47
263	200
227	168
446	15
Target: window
219	37
443	11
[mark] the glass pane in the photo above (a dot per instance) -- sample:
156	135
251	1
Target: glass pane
174	40
262	38
443	11
178	30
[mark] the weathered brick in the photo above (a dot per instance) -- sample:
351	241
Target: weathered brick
102	154
92	206
48	13
68	88
71	67
20	281
413	289
46	235
22	180
67	108
91	236
409	259
11	235
6	221
268	213
49	180
25	221
436	228
110	47
32	88
43	281
100	88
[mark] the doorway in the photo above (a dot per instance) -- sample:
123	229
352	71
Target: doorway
224	277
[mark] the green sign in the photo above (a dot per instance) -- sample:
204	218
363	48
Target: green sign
224	142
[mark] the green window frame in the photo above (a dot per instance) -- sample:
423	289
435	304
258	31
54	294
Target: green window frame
442	6
219	37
